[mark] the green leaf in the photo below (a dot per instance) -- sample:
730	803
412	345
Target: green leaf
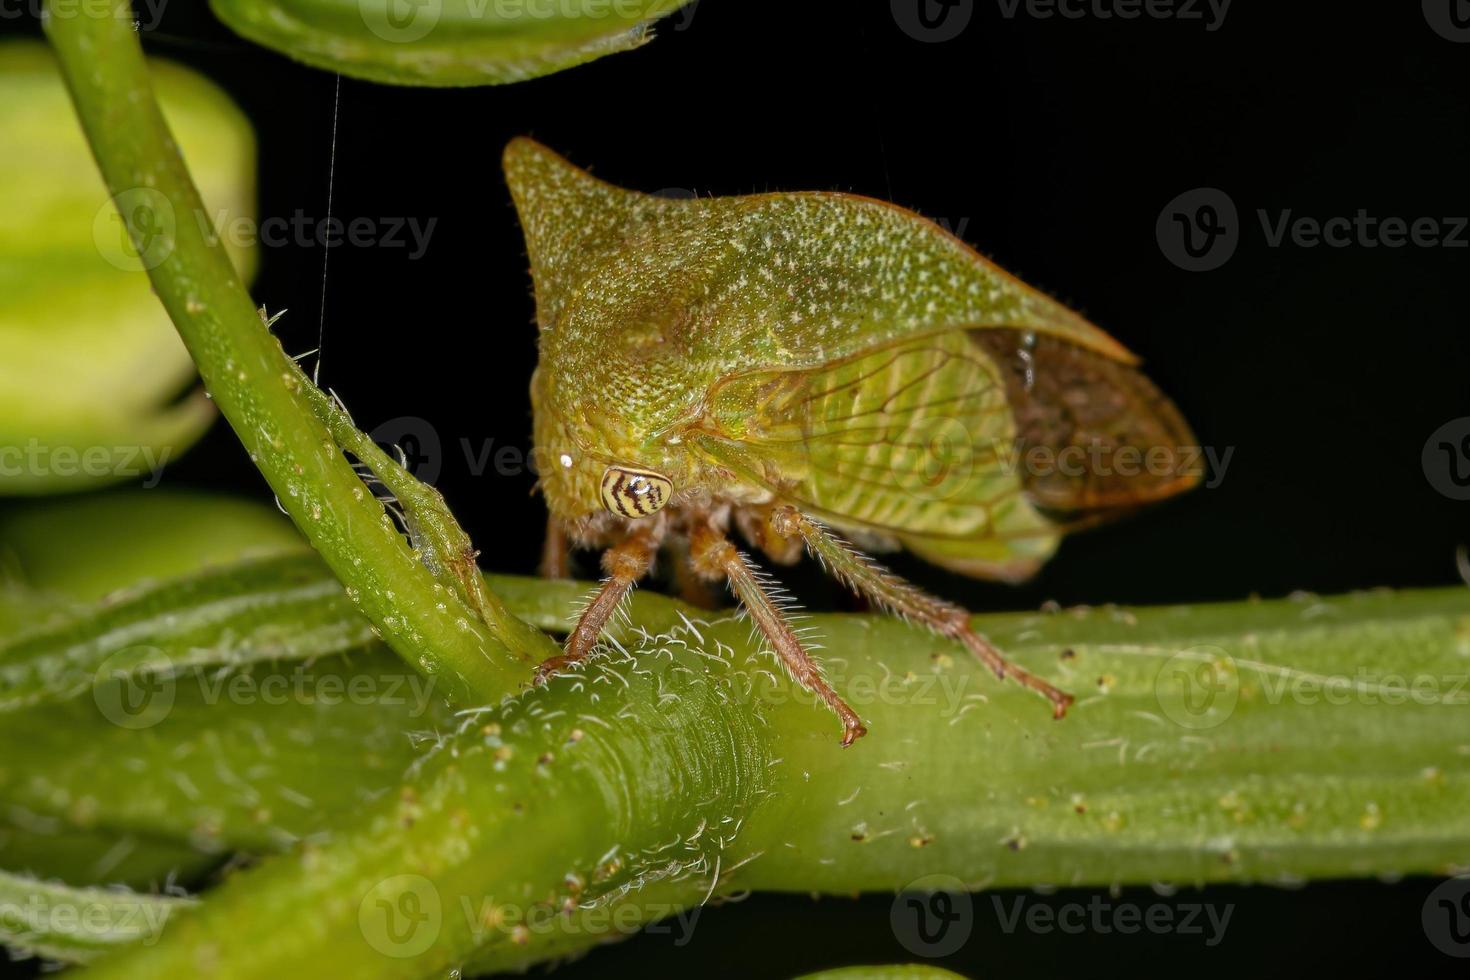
46	848
446	42
89	365
84	547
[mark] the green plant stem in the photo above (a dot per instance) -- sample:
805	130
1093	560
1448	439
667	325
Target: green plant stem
250	378
1312	738
78	924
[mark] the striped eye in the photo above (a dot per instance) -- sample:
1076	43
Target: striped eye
634	493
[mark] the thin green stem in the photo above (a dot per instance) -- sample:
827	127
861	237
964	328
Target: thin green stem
253	382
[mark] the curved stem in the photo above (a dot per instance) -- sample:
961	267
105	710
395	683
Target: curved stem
254	383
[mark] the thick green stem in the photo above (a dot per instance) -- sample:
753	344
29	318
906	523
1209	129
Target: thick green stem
1243	742
247	373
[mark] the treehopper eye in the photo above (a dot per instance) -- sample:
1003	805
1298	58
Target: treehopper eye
634	493
812	370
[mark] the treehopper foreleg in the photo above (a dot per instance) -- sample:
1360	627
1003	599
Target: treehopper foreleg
625	563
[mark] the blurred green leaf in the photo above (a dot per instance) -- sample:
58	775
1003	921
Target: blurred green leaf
89	363
447	42
82	548
47	848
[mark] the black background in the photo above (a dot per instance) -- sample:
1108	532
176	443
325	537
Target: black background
1052	145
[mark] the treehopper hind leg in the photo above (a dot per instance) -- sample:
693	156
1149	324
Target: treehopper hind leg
555	557
714	557
887	590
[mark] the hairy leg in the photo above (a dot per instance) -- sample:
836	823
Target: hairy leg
624	563
715	557
867	577
554	551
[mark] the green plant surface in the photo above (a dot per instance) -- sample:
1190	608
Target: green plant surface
446	42
273	609
75	925
89	365
46	849
258	389
133	536
246	761
1242	742
1258	741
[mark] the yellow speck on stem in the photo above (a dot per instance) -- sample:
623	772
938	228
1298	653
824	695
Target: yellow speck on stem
1372	817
